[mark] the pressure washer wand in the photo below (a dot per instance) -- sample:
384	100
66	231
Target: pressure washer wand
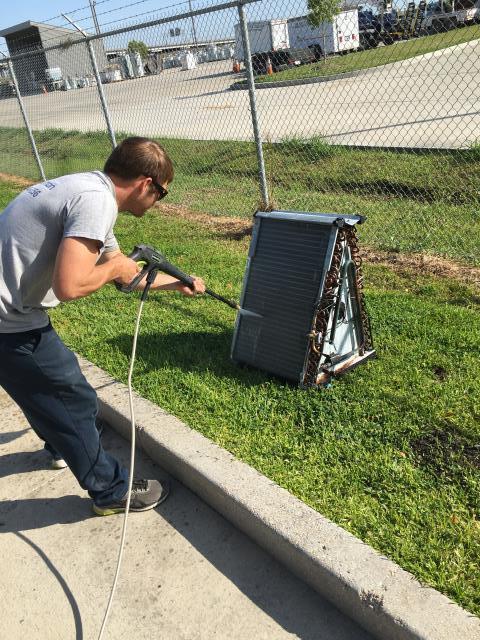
231	303
153	260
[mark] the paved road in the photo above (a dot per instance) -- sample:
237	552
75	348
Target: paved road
187	573
428	101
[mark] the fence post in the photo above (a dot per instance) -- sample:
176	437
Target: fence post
253	106
25	119
93	60
103	101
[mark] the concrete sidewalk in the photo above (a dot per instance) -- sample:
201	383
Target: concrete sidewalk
187	572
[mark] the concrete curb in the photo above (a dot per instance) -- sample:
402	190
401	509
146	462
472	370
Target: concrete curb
351	74
242	84
369	588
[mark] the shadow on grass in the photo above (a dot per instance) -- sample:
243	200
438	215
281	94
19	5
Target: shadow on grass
197	351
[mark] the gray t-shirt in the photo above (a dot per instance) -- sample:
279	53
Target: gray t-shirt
81	205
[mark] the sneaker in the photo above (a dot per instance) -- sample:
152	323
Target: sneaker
146	494
58	463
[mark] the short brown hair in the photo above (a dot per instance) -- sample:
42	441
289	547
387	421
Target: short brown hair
135	157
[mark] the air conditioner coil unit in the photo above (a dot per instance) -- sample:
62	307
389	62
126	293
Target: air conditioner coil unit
303	284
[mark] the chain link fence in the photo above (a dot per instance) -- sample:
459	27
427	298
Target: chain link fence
374	111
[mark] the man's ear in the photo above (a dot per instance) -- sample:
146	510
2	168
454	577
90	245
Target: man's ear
146	184
140	186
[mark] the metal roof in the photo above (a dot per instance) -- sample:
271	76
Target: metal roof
27	25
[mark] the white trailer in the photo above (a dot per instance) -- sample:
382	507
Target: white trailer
264	35
330	37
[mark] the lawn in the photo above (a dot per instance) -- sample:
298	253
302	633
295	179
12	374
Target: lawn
401	50
414	202
389	452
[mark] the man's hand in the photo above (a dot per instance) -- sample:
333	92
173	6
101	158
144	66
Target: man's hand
125	268
198	287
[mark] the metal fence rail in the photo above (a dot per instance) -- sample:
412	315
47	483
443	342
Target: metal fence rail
373	112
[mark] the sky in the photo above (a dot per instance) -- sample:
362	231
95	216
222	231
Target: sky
108	11
13	12
113	14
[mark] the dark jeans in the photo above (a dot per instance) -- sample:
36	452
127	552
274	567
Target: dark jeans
44	378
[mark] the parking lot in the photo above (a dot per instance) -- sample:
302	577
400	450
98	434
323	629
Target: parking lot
428	101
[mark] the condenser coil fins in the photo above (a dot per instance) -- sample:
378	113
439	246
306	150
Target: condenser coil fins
305	317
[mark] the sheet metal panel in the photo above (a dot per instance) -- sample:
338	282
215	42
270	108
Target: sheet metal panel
287	264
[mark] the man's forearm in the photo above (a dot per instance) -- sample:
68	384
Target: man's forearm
163	282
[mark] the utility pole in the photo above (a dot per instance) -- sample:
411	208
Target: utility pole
94	16
193	25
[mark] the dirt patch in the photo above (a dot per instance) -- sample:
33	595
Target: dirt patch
450	456
239	228
440	373
21	182
446	452
424	263
227	227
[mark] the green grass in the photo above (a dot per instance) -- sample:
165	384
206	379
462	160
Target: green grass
401	50
426	202
382	452
389	452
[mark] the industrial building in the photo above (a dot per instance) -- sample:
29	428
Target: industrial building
67	60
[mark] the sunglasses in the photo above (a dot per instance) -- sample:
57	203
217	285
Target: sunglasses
162	192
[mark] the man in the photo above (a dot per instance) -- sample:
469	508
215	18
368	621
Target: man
57	244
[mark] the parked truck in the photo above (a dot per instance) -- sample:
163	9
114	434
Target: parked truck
443	15
340	35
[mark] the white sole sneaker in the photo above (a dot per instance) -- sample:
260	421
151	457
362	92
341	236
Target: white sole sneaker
59	464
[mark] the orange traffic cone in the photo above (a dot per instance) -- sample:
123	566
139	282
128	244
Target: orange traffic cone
236	66
269	67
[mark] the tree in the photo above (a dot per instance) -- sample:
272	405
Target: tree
322	11
140	47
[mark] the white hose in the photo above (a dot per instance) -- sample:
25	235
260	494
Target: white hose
130	476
